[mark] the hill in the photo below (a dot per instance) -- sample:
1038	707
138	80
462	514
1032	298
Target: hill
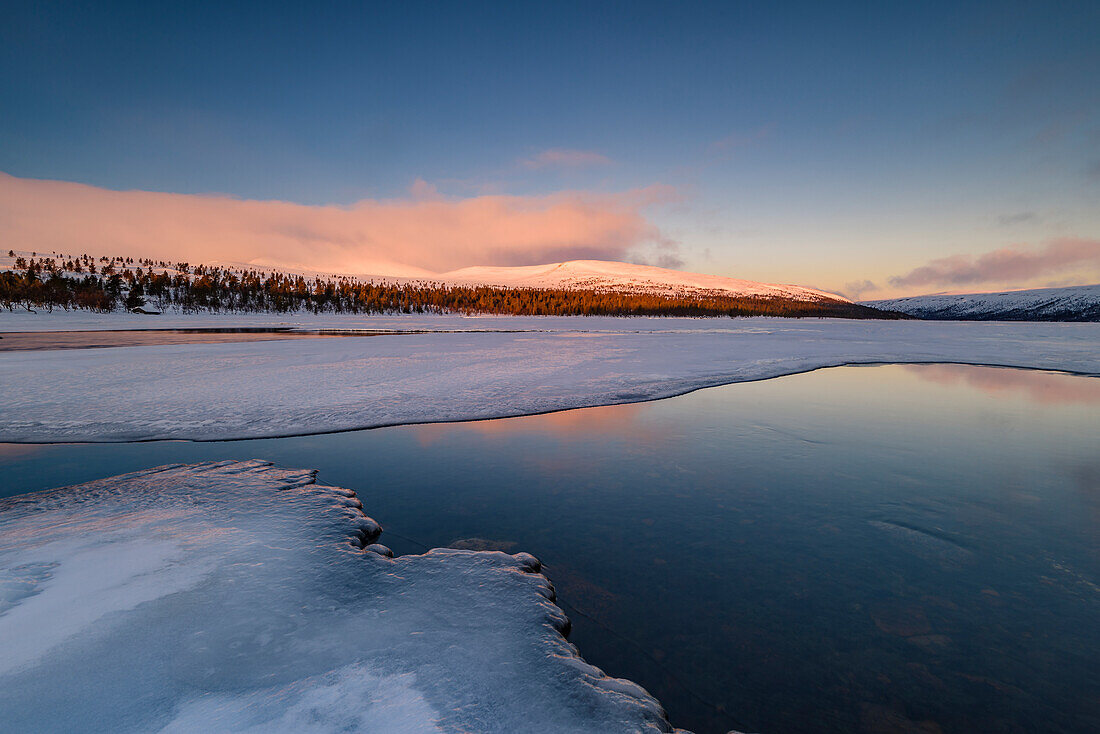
1072	303
620	277
578	288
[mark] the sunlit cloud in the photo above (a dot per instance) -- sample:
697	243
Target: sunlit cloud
424	233
1007	265
565	158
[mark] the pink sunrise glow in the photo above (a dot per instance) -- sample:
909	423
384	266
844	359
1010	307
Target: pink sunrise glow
414	236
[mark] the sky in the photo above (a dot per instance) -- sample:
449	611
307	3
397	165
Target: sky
871	149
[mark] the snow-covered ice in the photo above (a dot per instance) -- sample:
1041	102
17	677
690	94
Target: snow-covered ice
278	388
237	596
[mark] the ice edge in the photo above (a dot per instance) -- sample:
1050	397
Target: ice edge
673	388
365	532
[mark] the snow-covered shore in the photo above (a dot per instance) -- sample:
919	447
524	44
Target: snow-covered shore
237	596
279	388
80	320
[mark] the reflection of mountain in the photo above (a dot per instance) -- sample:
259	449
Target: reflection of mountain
1044	388
1074	303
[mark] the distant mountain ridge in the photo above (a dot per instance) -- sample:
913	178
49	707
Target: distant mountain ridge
620	277
574	288
1071	303
595	275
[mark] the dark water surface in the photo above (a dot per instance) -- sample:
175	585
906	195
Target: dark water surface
867	549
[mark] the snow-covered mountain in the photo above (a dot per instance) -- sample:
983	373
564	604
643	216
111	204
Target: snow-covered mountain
622	277
1072	303
598	275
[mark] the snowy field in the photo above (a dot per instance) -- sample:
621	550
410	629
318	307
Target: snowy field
240	597
279	388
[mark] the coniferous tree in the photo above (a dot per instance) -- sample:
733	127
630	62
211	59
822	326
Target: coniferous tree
53	283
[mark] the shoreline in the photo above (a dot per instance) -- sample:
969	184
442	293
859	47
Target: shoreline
282	387
482	419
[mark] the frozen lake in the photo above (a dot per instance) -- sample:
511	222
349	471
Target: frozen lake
853	549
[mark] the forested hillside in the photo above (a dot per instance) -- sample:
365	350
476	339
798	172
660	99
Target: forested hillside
113	284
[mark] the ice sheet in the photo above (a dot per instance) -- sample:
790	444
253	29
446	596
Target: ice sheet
237	596
257	389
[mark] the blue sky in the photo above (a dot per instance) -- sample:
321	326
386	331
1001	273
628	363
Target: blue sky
827	145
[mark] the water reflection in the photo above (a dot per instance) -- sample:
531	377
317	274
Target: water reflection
863	549
20	450
620	422
1040	388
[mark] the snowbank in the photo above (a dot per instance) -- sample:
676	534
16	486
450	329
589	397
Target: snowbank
236	596
279	388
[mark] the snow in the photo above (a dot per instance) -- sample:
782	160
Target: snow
8	262
398	274
1080	302
603	275
467	369
237	596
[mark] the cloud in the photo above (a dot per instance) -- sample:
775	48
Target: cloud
565	158
857	288
421	190
421	234
665	257
737	140
1007	265
670	260
1009	220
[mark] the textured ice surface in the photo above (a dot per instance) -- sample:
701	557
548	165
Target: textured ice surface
239	390
236	596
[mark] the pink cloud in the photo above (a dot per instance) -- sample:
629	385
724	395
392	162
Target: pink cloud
425	233
1007	265
564	158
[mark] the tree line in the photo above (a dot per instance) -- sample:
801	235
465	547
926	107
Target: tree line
113	284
